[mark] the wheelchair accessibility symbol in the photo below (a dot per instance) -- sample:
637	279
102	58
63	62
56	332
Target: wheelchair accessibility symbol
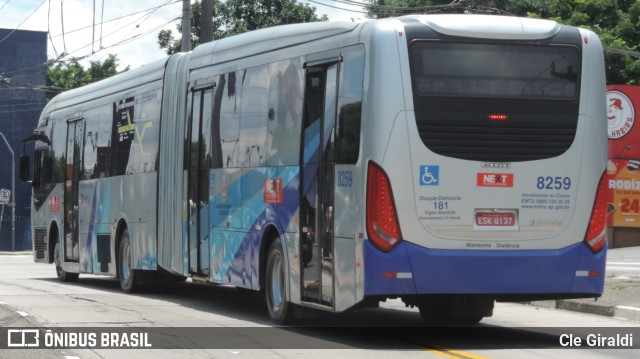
429	175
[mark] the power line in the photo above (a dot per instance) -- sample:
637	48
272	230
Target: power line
120	17
93	33
62	19
23	21
101	22
124	41
337	7
5	4
116	44
55	51
145	17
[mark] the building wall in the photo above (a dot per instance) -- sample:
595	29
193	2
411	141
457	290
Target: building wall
23	56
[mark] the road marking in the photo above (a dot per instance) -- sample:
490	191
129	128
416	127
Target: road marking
451	354
633	269
628	308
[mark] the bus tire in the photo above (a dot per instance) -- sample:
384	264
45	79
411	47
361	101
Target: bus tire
126	273
62	275
280	310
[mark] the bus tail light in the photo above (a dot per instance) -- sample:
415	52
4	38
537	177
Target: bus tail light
498	116
596	236
383	227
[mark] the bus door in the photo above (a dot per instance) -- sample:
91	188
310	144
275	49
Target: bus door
316	210
73	163
198	159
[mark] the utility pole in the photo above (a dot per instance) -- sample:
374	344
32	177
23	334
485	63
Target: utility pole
185	44
206	29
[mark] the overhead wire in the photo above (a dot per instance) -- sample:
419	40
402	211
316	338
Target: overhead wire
5	4
101	22
336	7
124	41
55	51
23	21
93	32
146	17
62	19
399	10
16	74
118	43
102	36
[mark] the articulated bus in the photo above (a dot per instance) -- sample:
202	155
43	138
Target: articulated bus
450	161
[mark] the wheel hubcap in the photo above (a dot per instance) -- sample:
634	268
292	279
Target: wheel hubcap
277	283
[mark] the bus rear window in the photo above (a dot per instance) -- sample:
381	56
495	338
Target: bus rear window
494	70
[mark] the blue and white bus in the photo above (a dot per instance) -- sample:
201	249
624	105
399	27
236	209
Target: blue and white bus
450	161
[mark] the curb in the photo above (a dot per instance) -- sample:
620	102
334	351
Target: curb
618	312
629	313
18	253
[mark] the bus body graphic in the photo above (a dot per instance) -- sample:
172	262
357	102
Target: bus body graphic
336	164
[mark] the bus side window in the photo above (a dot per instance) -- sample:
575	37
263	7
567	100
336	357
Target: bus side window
37	168
90	145
350	106
59	143
285	113
253	117
230	118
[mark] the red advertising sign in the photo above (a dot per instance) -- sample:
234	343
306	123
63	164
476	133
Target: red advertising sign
623	107
495	180
272	188
54	203
623	103
624	187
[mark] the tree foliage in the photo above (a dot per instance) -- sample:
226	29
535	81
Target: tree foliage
617	23
233	17
68	76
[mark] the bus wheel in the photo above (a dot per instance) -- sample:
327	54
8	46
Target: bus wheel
280	311
63	275
128	280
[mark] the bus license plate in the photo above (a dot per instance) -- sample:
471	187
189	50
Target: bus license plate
504	220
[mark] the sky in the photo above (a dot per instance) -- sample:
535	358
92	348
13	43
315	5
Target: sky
126	28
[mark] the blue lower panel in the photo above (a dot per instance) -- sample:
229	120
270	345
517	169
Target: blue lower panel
411	269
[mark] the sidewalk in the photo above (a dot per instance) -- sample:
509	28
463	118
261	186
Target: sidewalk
621	297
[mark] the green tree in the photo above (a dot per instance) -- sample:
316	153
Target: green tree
233	17
63	76
617	23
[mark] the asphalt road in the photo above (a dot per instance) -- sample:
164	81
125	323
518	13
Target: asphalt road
217	321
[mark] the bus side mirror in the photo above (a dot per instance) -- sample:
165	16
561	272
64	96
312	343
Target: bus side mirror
24	168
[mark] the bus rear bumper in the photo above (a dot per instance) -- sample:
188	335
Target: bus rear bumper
410	269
